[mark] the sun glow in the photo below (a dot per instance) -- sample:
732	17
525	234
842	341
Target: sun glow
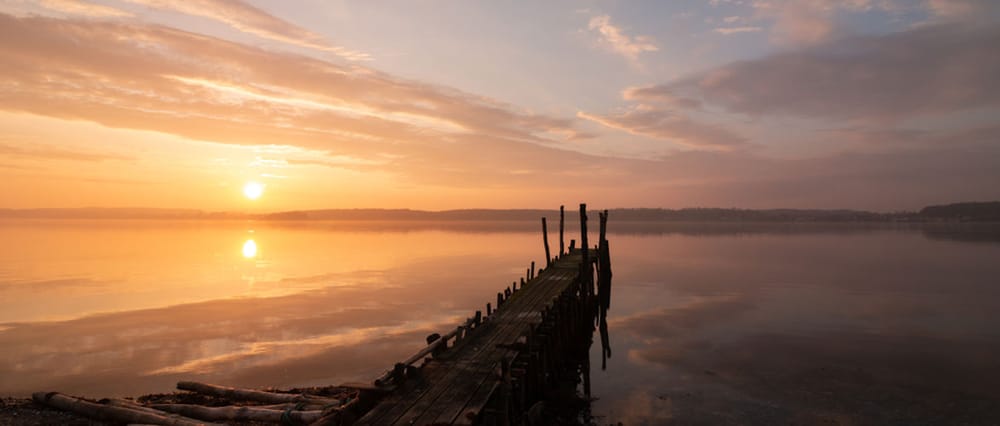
253	190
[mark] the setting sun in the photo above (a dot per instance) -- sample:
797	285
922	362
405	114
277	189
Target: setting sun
253	190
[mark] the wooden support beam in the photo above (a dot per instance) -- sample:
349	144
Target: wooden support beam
562	217
545	239
604	225
584	247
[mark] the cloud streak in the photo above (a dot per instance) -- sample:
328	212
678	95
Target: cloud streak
249	19
83	8
615	38
203	88
928	70
664	124
736	30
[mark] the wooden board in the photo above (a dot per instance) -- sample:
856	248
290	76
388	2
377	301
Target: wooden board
453	389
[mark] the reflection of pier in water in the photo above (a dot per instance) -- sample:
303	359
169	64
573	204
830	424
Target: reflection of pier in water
494	368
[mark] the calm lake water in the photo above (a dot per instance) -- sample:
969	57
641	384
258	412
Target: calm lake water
709	324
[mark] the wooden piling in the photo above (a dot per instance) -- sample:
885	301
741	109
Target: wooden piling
584	248
545	239
531	276
562	216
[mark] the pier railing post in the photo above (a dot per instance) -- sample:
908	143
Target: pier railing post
562	216
545	238
584	247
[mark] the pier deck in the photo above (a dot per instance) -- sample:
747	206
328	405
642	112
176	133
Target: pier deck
492	369
455	387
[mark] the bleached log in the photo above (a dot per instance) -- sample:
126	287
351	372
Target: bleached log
251	394
240	413
110	413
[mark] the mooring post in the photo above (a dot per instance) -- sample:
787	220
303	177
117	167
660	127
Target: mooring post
499	299
562	216
478	319
489	309
532	275
572	245
604	226
584	247
604	268
545	238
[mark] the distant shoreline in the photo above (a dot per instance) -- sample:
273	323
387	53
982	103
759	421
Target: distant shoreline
958	212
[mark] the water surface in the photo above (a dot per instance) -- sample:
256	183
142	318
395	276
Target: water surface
709	323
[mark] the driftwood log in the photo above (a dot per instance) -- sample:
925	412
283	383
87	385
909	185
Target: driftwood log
241	413
252	395
111	413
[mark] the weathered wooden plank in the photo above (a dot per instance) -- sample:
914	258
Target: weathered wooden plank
457	398
463	382
481	358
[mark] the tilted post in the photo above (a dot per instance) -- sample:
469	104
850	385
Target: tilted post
584	247
545	238
562	217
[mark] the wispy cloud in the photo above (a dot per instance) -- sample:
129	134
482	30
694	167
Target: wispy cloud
83	8
952	10
661	123
33	151
615	38
736	30
249	19
871	77
806	22
142	77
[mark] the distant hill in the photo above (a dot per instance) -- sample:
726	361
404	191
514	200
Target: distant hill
407	214
978	211
988	211
102	213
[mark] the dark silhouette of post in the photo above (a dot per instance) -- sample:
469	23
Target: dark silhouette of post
562	217
545	238
586	275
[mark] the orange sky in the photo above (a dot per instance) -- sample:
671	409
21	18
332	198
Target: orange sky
147	103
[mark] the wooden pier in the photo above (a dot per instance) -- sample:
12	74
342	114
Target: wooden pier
493	369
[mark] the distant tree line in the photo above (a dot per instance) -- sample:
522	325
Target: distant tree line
967	212
975	212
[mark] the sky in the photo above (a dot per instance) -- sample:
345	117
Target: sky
439	104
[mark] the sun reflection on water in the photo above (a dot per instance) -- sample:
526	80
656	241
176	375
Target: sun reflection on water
250	249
